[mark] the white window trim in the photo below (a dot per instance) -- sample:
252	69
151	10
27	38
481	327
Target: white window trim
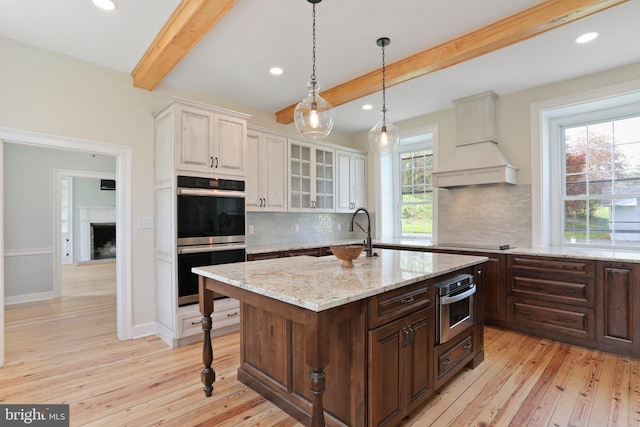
390	228
543	120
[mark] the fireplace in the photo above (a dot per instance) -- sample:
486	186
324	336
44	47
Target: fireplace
103	240
97	233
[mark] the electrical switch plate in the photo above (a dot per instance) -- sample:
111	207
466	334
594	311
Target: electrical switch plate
251	229
145	222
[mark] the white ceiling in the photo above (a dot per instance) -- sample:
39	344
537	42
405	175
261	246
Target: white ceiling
233	60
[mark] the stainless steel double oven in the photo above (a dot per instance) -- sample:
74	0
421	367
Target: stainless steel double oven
210	226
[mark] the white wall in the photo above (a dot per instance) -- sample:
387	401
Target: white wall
53	94
29	214
513	137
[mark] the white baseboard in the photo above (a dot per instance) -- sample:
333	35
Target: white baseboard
18	299
144	330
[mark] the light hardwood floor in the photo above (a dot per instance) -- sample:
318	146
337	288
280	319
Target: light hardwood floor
66	351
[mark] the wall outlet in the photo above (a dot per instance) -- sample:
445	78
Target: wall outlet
339	227
251	229
296	228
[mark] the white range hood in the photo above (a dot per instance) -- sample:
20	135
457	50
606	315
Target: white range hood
477	158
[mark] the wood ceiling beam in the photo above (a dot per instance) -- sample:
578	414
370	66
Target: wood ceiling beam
523	25
191	20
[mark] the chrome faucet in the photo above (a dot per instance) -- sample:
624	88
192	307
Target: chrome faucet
368	247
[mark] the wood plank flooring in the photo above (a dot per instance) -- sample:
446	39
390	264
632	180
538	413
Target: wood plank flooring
66	351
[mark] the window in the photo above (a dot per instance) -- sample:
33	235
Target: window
416	190
406	207
600	182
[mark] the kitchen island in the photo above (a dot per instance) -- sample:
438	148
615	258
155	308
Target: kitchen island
343	346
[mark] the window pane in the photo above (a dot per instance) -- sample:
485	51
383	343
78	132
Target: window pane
627	130
416	187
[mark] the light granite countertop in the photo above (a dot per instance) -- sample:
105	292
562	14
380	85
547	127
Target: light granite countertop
616	255
322	283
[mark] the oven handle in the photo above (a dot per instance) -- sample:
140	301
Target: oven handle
209	192
450	300
183	250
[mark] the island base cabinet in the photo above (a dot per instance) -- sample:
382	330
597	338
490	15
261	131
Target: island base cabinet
618	299
400	367
273	364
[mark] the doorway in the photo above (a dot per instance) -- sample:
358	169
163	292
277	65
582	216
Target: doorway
85	226
123	172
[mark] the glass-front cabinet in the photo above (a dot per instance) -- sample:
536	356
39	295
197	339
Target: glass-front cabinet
311	177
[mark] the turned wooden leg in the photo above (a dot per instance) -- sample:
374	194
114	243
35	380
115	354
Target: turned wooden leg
208	375
317	390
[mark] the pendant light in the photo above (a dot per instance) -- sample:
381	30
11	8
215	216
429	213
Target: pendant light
313	115
384	136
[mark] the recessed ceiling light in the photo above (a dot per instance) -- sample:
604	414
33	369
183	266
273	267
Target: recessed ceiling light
587	37
367	107
105	4
276	71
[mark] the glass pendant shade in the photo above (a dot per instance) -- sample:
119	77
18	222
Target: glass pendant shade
384	137
313	115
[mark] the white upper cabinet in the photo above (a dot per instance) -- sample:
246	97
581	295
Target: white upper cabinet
311	177
210	142
230	145
266	178
351	185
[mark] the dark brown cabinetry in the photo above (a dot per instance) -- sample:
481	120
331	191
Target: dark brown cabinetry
400	367
552	297
400	344
618	306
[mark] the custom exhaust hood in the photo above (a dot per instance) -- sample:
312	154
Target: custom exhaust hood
477	159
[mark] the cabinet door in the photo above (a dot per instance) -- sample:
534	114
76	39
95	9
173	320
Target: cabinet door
274	173
386	374
300	176
421	327
495	290
253	180
618	297
400	367
344	202
195	143
359	181
324	199
230	145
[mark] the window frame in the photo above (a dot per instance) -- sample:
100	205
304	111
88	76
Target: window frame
548	162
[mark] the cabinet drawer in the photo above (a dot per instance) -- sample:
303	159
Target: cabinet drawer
569	266
227	313
394	304
455	353
577	293
557	318
265	255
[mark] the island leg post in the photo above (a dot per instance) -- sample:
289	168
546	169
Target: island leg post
208	375
317	357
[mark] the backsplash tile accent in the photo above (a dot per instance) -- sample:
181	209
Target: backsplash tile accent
485	215
275	228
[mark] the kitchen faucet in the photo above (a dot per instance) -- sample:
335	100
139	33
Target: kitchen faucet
368	247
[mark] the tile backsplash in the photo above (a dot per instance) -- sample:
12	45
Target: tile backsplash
485	215
291	227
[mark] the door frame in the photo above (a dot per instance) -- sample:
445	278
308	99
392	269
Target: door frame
123	174
57	232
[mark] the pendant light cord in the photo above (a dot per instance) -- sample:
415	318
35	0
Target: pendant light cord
384	100
313	71
313	55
